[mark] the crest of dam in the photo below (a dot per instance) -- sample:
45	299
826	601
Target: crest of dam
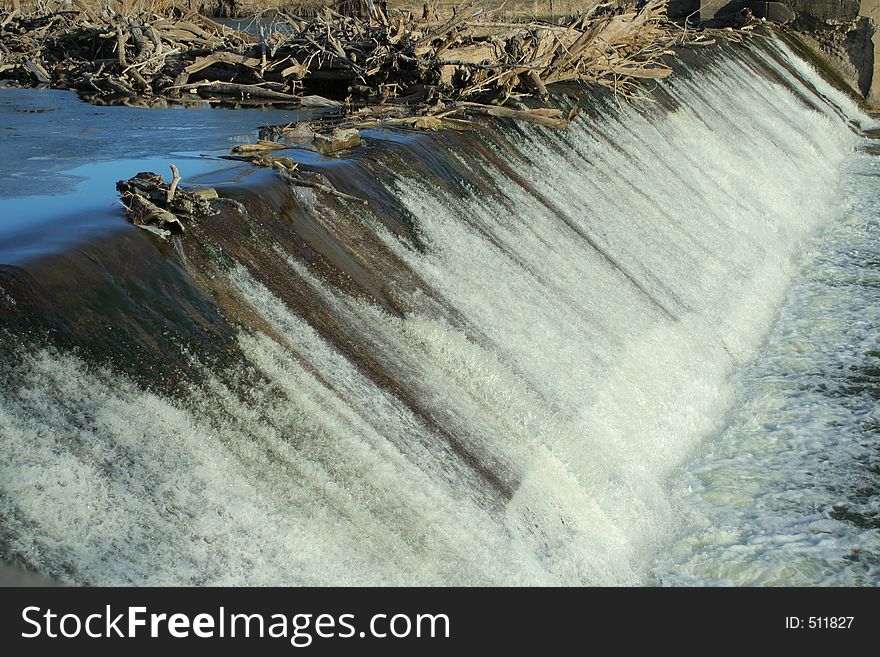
485	375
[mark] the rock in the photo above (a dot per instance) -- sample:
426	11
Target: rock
682	8
772	11
292	133
338	140
260	147
781	11
427	123
847	33
207	193
301	133
834	10
871	14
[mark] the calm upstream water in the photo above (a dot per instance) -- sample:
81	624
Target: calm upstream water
640	351
62	158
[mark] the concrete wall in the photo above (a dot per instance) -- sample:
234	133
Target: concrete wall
846	31
842	10
838	10
870	9
683	8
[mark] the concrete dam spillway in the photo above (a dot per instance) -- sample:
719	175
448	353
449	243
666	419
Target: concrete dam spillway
535	357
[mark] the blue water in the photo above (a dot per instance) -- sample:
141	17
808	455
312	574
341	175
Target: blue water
61	158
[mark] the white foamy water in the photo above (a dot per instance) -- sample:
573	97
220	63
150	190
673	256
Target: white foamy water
788	493
835	100
599	320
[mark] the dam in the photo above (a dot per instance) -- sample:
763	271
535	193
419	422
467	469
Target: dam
639	351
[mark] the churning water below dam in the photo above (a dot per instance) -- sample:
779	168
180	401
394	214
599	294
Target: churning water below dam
642	350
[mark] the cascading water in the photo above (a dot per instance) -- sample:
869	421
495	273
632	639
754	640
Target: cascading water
494	373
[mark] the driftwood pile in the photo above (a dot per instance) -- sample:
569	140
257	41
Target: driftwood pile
372	67
469	63
108	54
163	208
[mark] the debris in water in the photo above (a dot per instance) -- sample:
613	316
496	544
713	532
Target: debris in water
339	139
468	63
261	146
162	208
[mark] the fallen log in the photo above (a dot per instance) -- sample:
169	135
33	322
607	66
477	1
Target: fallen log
37	71
299	181
552	118
223	57
244	90
318	101
148	213
262	146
